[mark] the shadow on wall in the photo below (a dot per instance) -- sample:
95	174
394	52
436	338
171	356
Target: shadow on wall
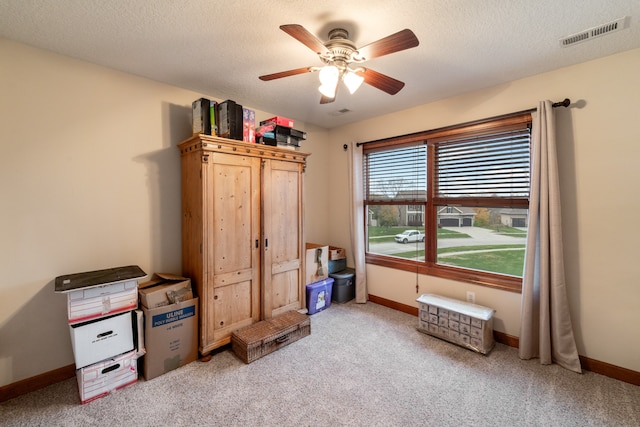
42	331
163	183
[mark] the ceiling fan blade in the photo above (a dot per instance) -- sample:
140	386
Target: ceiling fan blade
285	73
326	99
299	33
382	82
401	40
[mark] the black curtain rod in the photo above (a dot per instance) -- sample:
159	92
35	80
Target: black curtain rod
564	103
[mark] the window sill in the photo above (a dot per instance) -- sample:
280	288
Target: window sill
496	281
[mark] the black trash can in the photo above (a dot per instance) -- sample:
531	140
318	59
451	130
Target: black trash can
344	285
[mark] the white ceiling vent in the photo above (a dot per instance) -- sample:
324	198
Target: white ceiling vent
591	33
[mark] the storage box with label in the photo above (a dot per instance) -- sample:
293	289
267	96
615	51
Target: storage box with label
165	289
316	263
319	295
171	337
102	378
99	293
101	339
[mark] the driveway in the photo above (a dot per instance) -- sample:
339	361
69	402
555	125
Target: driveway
478	237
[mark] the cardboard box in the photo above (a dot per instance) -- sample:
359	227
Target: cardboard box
316	263
319	295
171	337
164	289
336	253
102	339
102	378
92	303
95	294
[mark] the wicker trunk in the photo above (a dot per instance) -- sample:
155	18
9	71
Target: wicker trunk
257	340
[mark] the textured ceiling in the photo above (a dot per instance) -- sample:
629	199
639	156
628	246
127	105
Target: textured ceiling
220	48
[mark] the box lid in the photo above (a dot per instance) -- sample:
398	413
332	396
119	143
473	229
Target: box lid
158	278
347	273
321	283
90	279
473	310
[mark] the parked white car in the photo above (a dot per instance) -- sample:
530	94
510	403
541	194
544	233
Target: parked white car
410	236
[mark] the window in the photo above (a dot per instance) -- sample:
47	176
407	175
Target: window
451	202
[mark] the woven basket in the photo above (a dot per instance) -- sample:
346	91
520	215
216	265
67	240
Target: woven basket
264	337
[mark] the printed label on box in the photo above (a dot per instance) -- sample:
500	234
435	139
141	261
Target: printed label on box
320	302
173	316
171	337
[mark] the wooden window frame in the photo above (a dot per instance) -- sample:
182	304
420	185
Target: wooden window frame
430	266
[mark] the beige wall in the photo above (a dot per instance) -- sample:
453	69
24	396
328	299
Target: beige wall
89	179
599	145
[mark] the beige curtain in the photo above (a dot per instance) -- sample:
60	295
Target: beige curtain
545	323
357	220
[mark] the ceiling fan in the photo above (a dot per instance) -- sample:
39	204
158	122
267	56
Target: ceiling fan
339	54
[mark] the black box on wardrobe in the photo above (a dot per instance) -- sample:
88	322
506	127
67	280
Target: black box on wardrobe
230	120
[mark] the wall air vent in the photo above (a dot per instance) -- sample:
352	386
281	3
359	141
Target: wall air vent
591	33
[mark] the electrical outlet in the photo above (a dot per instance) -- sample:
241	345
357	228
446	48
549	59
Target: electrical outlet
471	297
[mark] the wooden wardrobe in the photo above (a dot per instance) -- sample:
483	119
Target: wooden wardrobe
242	232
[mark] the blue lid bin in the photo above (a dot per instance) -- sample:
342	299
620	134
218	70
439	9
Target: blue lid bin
319	295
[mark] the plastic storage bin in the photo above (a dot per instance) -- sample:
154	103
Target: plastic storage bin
344	285
319	295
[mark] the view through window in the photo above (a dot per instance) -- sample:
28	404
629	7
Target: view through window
452	202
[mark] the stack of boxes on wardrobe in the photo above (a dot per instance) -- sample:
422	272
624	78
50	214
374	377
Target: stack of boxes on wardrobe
278	131
105	327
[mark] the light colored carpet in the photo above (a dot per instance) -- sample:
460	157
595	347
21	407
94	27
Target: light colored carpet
362	365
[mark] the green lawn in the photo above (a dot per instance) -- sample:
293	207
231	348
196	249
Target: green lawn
505	262
503	259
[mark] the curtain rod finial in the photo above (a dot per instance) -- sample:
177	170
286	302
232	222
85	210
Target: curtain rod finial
564	103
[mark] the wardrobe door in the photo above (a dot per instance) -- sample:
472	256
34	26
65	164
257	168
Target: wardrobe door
282	237
232	241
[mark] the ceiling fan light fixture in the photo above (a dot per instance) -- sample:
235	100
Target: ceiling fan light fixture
352	81
329	75
339	53
328	89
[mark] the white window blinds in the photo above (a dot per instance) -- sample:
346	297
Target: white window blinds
495	165
396	174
